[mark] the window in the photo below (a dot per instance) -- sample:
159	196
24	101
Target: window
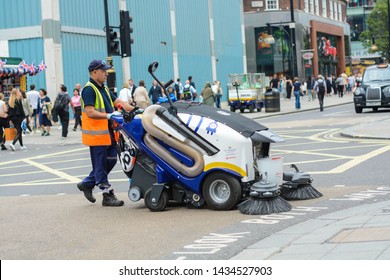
317	5
306	6
335	10
272	5
331	9
340	13
324	11
312	6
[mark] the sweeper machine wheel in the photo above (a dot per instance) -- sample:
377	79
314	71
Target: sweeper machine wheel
221	191
160	205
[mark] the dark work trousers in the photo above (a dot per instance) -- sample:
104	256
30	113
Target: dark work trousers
3	125
77	116
103	160
64	118
321	100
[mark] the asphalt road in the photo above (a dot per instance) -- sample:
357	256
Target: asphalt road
44	216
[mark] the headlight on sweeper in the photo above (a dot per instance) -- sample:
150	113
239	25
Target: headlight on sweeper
359	91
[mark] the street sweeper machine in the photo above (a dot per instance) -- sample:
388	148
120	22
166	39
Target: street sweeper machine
196	154
246	91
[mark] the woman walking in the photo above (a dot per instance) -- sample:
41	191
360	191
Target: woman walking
208	95
43	110
3	121
16	114
75	103
297	86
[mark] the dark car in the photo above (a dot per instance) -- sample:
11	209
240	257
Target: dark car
374	91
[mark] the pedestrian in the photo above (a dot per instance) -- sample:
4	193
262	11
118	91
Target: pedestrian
274	83
217	91
320	87
125	94
75	103
328	86
304	87
340	86
27	111
334	85
193	92
132	87
289	87
97	133
33	96
309	83
63	109
178	86
16	115
297	87
188	91
141	97
155	92
43	109
208	95
3	121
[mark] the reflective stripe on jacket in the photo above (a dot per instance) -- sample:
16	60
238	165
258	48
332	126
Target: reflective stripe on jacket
95	131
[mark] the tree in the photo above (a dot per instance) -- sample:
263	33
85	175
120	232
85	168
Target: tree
377	29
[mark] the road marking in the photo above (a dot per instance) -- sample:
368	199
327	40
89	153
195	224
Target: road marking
60	174
359	159
42	156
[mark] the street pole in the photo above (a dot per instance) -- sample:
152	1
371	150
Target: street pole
294	47
111	79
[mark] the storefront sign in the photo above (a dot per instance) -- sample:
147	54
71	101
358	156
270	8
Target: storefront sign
307	55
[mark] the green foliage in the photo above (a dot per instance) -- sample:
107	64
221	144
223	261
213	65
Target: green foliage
377	23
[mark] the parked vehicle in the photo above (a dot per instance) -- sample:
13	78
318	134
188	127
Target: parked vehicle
374	91
246	91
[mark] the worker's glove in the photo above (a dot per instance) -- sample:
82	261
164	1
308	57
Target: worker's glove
115	113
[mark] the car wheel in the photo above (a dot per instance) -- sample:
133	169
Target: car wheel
358	110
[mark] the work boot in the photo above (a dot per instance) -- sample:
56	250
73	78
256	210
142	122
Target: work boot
109	199
87	190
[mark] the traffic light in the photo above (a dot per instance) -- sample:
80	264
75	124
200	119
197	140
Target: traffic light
125	31
113	44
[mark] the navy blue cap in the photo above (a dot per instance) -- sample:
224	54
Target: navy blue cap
98	64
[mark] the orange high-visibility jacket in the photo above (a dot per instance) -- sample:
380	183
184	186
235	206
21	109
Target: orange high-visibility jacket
95	131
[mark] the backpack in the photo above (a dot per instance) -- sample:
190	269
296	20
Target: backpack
177	88
186	92
60	102
321	86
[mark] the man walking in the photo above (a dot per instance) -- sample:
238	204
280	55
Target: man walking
320	87
33	97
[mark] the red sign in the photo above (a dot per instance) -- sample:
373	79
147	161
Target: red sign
307	55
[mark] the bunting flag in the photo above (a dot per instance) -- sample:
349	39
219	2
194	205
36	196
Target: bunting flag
3	62
23	68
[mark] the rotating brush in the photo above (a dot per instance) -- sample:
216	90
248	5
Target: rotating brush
298	186
264	199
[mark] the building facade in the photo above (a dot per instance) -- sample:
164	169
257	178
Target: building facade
357	13
202	38
312	40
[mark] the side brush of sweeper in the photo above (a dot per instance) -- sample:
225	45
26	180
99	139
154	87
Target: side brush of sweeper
297	185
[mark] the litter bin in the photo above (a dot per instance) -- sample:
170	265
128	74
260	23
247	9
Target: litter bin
272	100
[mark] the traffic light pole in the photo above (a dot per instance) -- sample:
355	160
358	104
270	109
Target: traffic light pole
111	79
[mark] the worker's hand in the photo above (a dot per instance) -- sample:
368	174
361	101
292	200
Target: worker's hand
115	113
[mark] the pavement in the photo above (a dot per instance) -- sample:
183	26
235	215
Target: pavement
361	232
